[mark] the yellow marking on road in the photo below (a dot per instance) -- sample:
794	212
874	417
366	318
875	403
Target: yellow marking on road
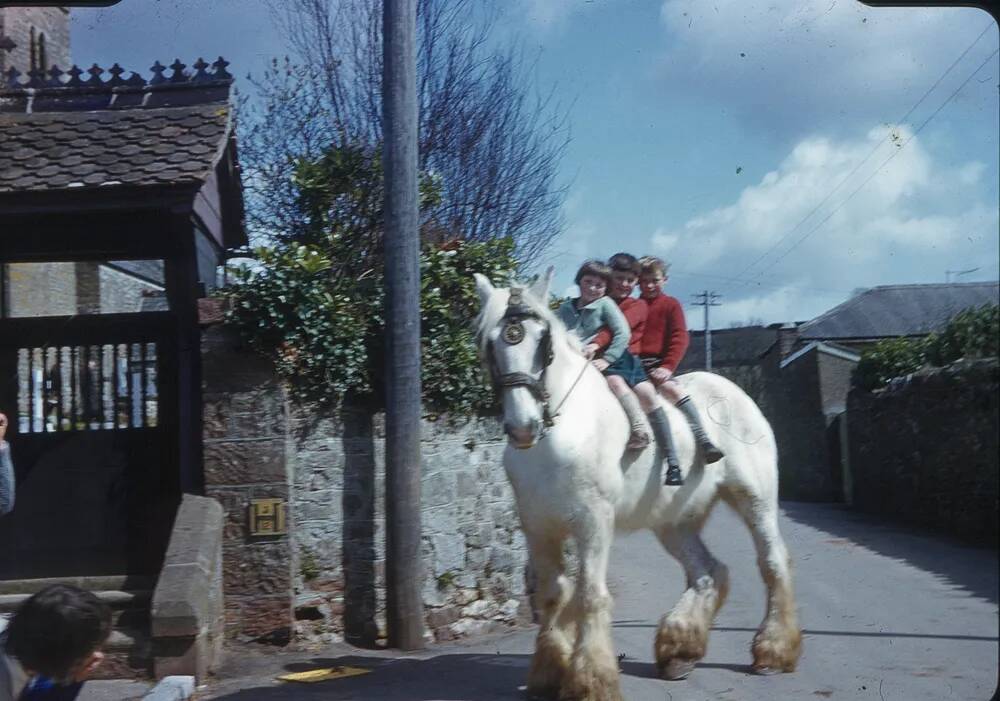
325	674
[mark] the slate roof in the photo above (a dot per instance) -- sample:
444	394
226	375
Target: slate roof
899	310
56	135
148	270
739	346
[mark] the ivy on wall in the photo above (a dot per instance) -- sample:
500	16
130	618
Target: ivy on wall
972	333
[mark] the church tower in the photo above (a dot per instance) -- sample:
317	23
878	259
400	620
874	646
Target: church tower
34	38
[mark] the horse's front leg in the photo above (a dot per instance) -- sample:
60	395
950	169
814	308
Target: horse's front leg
550	663
593	670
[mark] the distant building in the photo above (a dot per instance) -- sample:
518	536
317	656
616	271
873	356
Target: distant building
800	373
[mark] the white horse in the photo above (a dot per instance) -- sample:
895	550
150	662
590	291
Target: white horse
572	478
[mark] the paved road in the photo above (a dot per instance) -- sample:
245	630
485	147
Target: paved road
887	615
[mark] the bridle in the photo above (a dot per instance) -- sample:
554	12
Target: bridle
512	333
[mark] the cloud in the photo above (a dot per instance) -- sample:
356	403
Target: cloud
816	63
790	242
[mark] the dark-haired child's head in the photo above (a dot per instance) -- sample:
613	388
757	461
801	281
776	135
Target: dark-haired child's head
58	633
592	278
624	274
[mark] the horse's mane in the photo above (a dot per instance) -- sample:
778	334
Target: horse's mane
496	307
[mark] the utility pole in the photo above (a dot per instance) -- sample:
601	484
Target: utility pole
404	570
956	273
707	299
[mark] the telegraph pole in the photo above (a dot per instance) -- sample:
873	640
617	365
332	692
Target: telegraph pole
956	273
404	575
707	299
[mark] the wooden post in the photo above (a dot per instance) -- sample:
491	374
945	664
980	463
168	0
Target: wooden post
404	571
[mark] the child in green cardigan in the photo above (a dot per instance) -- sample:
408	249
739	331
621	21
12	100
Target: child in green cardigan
589	313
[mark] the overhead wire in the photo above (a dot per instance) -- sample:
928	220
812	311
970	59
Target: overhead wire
739	277
884	163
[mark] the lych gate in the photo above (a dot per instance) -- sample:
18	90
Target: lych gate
118	201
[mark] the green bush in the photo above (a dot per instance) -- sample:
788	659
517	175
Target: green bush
314	302
972	333
325	332
894	357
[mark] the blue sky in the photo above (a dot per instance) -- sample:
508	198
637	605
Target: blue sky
756	146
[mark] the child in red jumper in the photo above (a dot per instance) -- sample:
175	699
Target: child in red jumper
663	345
625	271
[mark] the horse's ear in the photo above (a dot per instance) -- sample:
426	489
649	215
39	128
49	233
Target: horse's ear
484	287
540	289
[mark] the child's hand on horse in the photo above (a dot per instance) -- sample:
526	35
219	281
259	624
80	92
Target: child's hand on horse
660	375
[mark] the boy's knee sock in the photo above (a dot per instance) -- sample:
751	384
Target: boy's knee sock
661	431
690	411
664	439
630	403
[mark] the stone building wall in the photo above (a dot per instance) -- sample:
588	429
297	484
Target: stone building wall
925	450
64	289
41	289
16	23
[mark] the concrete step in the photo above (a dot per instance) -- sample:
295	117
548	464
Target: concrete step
104	583
128	654
116	599
129	650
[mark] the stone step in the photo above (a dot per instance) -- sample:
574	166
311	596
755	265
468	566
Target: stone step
129	651
117	600
128	654
103	583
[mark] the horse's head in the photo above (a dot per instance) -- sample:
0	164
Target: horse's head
514	331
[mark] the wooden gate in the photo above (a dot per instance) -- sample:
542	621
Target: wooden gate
93	409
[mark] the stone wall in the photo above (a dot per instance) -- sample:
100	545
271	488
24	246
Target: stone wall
474	551
925	450
244	442
329	467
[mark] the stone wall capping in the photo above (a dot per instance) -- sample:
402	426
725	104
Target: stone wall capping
186	612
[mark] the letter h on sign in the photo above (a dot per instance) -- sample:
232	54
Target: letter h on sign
267	517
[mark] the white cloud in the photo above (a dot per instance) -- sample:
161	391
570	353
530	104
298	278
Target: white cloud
815	63
788	236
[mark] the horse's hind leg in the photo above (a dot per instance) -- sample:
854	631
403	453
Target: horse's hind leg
553	591
778	642
682	636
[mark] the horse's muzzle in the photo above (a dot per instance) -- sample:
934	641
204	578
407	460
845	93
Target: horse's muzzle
523	437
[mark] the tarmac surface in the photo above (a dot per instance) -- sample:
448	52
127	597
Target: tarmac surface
887	613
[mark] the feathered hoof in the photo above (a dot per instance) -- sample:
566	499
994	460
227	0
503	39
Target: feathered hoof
773	654
675	669
765	671
542	693
597	689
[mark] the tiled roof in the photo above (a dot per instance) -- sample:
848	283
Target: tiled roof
899	310
88	134
55	150
739	346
